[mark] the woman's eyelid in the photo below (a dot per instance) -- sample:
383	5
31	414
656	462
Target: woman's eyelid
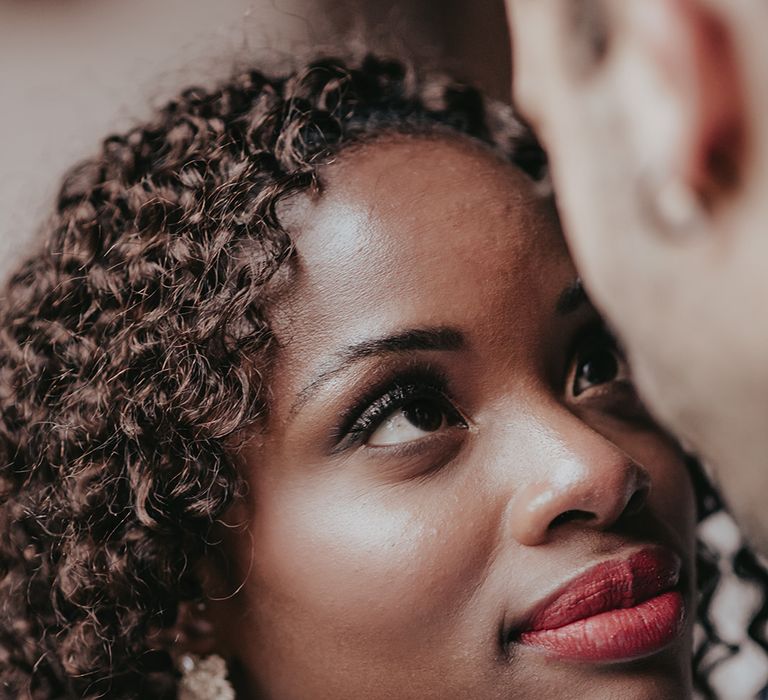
371	411
381	412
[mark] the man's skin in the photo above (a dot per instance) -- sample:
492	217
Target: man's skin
655	116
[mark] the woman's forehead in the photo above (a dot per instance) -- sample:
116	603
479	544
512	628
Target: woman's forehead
418	232
417	206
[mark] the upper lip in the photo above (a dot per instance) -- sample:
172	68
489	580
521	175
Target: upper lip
608	585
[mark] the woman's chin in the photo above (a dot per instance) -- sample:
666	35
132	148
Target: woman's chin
664	675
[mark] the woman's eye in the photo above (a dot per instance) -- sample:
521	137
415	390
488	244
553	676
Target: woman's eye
407	410
598	362
412	421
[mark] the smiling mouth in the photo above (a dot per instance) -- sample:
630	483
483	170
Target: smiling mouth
619	610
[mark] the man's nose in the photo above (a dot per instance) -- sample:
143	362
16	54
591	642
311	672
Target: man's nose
586	479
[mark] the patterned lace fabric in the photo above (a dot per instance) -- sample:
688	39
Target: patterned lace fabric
742	675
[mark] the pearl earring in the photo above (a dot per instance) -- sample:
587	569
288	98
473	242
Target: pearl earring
204	678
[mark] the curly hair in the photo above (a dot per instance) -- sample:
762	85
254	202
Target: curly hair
134	350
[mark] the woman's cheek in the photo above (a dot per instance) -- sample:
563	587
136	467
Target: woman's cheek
390	558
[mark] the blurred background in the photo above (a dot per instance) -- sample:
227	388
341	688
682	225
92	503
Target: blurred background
74	71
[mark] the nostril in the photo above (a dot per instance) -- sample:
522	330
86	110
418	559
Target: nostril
636	502
570	516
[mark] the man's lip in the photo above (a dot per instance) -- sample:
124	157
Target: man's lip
617	610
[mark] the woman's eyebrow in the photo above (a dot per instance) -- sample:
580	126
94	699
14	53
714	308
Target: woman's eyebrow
442	338
572	298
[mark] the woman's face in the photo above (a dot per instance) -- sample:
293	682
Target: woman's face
456	487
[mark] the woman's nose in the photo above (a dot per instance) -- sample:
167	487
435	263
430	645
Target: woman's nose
586	479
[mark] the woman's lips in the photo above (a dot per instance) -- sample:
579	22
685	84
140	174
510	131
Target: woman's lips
617	611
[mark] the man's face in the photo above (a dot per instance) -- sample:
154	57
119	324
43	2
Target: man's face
623	97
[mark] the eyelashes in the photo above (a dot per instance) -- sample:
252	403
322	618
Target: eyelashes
410	404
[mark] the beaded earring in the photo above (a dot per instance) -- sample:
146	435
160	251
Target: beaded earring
204	678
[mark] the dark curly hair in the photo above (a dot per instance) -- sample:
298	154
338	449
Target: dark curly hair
134	350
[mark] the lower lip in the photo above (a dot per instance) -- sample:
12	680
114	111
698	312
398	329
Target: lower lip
623	634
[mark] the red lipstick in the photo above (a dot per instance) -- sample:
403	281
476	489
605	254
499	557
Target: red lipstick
617	611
